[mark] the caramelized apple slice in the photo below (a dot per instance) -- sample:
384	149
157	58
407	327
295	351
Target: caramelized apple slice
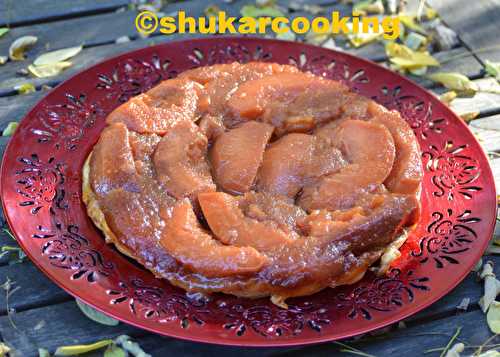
291	102
186	242
237	154
369	149
285	164
231	226
112	161
160	108
406	174
180	161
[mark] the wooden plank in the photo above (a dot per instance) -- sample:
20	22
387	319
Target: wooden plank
14	108
46	327
414	340
35	289
99	29
15	13
8	79
476	23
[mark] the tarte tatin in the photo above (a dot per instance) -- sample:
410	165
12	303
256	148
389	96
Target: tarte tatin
254	180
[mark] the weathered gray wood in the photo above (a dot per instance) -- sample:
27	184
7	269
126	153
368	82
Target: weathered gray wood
47	327
8	79
414	340
14	108
475	22
35	289
14	12
56	325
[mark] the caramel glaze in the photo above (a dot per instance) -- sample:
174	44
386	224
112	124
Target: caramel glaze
288	184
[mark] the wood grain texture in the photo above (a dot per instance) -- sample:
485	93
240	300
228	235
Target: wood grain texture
14	12
476	23
43	327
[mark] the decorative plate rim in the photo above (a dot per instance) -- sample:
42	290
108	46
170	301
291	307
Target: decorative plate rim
66	285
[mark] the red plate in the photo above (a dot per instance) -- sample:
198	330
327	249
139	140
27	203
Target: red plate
41	196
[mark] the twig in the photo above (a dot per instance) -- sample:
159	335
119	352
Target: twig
450	342
9	233
8	292
480	348
348	349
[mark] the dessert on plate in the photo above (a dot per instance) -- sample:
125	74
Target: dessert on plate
254	180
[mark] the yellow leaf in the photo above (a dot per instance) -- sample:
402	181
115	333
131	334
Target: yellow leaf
448	97
418	59
10	128
369	7
79	349
25	88
409	21
467	117
454	81
393	49
57	56
48	70
20	46
430	13
493	317
4	349
362	38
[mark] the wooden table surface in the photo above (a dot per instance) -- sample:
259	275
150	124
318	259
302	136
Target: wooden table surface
48	317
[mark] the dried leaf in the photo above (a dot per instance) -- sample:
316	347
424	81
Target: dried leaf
3	31
468	116
490	353
79	349
369	7
417	59
25	88
362	38
114	351
42	352
492	68
10	128
48	70
286	36
409	21
454	81
15	254
20	46
95	315
313	9
448	97
488	85
255	11
122	39
491	286
455	350
444	37
3	60
330	44
464	304
316	38
393	49
131	347
57	56
493	317
4	349
478	265
211	10
414	41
